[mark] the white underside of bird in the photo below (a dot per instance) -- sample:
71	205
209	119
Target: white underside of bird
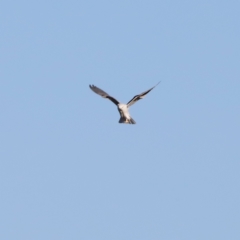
124	113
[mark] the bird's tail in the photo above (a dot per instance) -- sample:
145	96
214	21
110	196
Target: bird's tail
126	120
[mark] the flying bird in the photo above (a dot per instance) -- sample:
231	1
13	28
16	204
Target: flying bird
122	108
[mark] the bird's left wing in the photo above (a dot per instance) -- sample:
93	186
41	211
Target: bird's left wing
140	96
103	94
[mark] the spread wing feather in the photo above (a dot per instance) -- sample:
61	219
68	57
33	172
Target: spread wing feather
103	94
140	96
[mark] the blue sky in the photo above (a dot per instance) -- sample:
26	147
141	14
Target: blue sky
69	170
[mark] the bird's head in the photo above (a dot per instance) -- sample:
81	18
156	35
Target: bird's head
121	106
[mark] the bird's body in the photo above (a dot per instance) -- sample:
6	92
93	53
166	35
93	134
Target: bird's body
124	113
122	108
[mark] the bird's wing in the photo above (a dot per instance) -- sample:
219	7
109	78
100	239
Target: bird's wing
103	94
140	96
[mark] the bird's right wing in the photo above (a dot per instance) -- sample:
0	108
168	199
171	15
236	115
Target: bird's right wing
103	94
140	96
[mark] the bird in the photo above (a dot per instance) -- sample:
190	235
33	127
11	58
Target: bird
122	108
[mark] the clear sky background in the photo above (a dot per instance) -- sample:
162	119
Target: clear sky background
69	170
